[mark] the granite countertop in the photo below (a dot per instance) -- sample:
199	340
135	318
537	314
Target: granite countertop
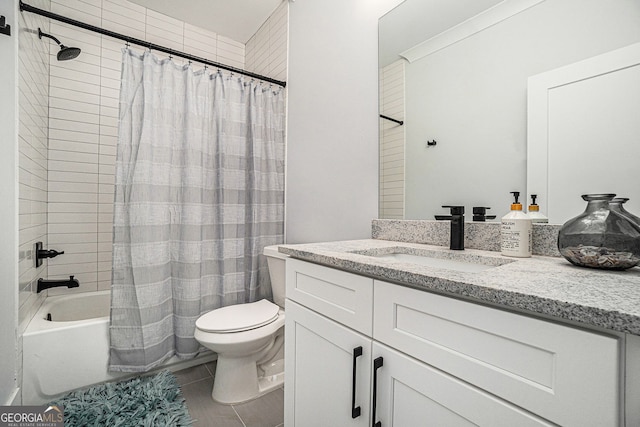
540	285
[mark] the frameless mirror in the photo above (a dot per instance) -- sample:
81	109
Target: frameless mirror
456	72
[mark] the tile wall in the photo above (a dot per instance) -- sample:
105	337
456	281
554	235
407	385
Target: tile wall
84	118
266	51
33	101
392	136
68	128
32	146
83	125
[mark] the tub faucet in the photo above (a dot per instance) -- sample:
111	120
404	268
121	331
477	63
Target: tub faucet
46	284
457	228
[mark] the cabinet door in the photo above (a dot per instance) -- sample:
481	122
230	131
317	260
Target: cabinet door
319	362
344	297
413	394
566	375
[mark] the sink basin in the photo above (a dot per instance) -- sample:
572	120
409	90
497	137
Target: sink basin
453	261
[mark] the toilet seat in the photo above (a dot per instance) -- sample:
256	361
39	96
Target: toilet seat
238	318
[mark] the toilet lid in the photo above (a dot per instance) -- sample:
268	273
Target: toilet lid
239	317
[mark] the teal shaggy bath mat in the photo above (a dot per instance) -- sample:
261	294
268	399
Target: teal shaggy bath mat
141	401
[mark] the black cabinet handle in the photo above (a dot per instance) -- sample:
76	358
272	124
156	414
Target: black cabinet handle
355	411
377	364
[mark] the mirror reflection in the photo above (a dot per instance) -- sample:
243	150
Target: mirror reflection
456	73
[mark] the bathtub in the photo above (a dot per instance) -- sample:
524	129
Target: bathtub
71	350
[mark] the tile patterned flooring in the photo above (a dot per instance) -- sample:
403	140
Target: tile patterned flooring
196	384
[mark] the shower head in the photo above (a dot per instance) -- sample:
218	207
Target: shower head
65	52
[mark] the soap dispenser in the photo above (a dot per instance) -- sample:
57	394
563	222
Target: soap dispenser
516	231
534	211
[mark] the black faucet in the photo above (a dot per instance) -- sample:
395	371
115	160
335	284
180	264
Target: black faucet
457	228
480	214
41	253
46	284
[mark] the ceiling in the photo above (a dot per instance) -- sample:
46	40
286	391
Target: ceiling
236	19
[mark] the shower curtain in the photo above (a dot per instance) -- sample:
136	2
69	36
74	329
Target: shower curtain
199	193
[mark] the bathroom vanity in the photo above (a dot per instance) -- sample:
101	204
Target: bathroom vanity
375	336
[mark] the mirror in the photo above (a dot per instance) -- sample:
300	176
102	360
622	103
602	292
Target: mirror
456	73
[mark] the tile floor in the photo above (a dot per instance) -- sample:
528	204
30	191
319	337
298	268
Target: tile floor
196	384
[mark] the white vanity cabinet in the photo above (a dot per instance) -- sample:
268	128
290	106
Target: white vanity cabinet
323	362
431	360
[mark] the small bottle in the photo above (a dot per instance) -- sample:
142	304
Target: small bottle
516	231
534	213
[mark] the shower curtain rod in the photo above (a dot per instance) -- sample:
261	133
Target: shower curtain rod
28	8
400	122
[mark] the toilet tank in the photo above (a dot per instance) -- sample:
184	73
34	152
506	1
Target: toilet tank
277	273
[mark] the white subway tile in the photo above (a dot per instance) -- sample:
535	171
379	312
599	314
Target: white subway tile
105	227
69	124
104	266
74	85
61	239
73	258
73	187
76	116
108	149
71	136
132	21
77	10
80	177
61	229
73	208
115	26
70	94
72	218
62	197
126	4
72	156
163	21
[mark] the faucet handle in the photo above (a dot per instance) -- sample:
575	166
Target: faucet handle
455	210
480	210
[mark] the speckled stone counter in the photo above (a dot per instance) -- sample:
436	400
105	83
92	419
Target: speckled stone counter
548	286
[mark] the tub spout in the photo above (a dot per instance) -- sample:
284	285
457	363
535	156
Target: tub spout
44	284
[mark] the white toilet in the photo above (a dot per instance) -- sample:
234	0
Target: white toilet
249	341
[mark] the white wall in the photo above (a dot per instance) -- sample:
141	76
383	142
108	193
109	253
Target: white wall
8	207
332	132
472	96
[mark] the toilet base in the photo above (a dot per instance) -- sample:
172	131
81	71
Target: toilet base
236	379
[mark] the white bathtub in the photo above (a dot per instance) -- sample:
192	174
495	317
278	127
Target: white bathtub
72	350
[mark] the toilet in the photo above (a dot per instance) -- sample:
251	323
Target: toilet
249	341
